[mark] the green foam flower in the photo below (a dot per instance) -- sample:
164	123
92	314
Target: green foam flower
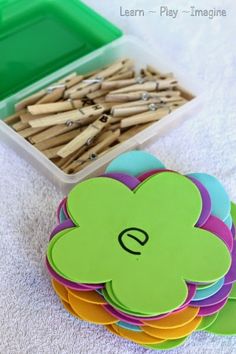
143	244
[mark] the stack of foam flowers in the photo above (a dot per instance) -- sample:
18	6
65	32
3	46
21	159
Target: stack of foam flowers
147	252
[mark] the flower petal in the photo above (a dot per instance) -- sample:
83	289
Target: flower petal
174	197
206	257
150	293
74	257
97	200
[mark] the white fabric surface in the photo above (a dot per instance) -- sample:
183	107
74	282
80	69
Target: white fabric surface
31	318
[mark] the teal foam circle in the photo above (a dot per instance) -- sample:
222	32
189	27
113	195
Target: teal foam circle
220	202
62	215
202	294
129	326
134	163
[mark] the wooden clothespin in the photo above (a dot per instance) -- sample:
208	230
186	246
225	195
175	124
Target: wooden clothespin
152	70
149	86
30	132
54	94
176	104
118	84
185	93
78	115
86	136
73	88
57	140
133	110
30	100
122	75
72	81
133	131
144	72
48	133
145	86
106	140
97	94
78	94
55	107
52	153
26	116
145	117
125	64
14	118
97	77
66	161
156	72
140	95
139	102
20	126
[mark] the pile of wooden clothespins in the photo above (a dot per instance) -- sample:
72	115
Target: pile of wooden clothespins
81	117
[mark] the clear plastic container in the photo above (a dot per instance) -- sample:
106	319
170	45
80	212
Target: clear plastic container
126	46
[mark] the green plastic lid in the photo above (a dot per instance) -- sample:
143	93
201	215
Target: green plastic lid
40	36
